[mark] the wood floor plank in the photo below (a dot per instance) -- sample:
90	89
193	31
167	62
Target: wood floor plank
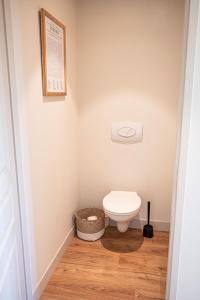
119	266
87	293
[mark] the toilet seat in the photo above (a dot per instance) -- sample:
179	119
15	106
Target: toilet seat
121	202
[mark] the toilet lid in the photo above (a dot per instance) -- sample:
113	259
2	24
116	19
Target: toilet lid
120	202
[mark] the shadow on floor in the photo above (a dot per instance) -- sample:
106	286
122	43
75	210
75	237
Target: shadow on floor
126	242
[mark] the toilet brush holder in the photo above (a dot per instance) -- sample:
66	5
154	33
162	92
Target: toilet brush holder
148	229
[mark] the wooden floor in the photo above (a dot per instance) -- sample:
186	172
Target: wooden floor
119	266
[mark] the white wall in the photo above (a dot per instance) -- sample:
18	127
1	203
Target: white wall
51	135
184	271
129	69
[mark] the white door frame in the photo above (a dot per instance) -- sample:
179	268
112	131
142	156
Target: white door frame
190	95
19	139
13	281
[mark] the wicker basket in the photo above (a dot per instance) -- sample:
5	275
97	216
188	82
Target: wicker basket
90	230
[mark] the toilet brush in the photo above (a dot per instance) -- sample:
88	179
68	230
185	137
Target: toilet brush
148	229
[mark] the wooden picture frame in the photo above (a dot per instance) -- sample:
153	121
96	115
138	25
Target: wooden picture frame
53	42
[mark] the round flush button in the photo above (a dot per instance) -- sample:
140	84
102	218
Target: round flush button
126	132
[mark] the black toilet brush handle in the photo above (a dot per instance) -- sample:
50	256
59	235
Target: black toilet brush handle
148	212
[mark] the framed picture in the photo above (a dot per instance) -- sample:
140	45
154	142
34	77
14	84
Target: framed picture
53	40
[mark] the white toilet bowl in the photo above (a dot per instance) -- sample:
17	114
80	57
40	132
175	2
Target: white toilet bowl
122	207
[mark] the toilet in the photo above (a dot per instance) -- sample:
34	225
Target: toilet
121	207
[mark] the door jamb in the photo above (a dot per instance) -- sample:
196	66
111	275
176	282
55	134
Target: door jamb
19	145
177	216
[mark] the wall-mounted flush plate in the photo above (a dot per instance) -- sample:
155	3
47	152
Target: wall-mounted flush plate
127	132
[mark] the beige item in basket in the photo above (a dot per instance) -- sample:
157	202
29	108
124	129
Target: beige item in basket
92	218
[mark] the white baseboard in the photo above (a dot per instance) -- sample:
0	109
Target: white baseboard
158	225
139	223
52	265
